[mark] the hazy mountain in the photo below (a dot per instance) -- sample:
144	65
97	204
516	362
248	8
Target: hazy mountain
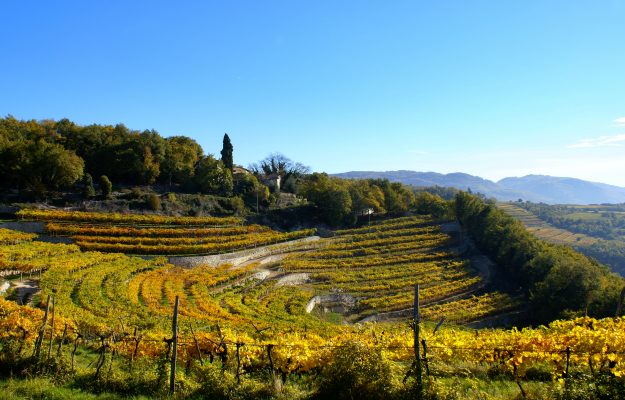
565	190
535	188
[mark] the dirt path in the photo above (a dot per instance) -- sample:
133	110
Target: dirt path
293	279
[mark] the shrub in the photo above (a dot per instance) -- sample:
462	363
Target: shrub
106	186
154	202
89	190
355	371
135	194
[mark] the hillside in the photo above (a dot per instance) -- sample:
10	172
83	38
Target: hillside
534	188
277	313
545	231
597	231
379	264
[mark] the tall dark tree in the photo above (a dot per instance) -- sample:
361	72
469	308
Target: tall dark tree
226	153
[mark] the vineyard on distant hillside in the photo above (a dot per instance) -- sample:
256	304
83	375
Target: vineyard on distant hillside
545	231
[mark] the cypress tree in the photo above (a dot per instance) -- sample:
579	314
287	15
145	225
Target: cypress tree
226	153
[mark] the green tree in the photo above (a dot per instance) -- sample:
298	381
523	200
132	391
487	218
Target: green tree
330	195
181	157
39	164
428	203
89	189
366	196
212	176
226	153
106	186
251	190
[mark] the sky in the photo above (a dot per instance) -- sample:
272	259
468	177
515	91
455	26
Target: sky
490	88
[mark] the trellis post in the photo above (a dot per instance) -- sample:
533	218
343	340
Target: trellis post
417	353
174	338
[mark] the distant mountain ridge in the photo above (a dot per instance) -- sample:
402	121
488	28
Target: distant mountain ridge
535	188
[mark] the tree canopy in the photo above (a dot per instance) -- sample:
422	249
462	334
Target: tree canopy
44	155
557	280
341	201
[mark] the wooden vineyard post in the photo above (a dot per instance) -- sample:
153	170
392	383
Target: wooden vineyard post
52	323
238	375
619	306
78	336
63	339
425	357
568	361
417	353
174	338
277	384
42	330
197	346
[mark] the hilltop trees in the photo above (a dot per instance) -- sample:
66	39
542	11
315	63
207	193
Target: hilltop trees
277	164
35	165
250	190
341	201
330	195
429	203
212	176
38	156
182	155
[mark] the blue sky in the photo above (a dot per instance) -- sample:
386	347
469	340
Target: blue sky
492	88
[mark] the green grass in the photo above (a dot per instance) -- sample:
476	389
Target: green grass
490	389
42	388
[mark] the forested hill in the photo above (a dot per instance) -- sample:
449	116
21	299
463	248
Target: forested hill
535	188
49	155
556	279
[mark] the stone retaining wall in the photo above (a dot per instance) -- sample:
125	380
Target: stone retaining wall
238	257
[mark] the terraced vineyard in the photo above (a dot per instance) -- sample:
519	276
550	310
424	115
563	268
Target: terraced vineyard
157	235
377	266
545	231
370	270
259	312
